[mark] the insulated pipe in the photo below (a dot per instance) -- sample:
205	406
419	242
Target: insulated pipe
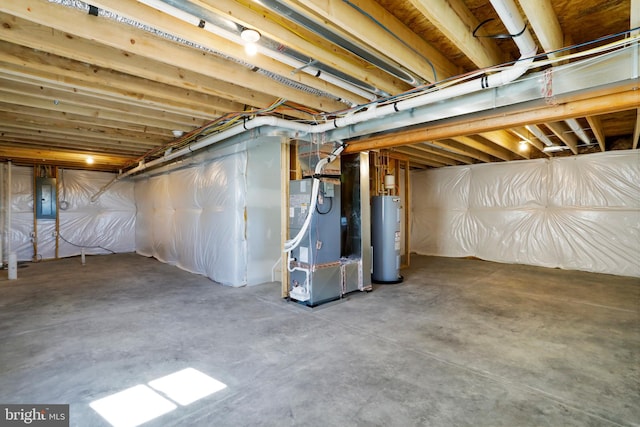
507	11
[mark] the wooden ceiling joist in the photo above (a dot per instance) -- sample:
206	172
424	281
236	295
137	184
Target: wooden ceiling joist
24	141
153	18
13	110
456	22
143	44
414	153
25	63
636	130
505	140
397	42
88	111
544	22
596	128
565	134
465	150
60	157
443	153
64	97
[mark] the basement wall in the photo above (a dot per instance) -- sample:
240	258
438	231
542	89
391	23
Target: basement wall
579	213
219	217
101	227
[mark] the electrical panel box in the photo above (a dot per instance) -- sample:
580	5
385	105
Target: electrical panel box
45	198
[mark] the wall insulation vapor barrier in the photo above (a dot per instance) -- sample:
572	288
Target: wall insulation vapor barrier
578	213
101	227
203	218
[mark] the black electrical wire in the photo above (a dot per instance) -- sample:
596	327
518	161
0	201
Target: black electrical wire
496	36
330	206
83	246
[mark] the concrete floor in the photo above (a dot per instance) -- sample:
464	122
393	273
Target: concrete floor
460	342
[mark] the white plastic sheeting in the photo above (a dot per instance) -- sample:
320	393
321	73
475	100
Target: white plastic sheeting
216	214
102	227
194	218
21	227
579	213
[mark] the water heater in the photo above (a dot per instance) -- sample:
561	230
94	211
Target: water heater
385	239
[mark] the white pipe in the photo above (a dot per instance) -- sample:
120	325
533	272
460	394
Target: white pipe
507	12
577	129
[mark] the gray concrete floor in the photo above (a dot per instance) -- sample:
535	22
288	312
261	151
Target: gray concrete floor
460	342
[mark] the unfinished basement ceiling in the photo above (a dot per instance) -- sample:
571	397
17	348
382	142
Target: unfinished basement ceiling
114	80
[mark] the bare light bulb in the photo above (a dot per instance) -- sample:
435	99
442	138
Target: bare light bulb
523	146
251	49
89	160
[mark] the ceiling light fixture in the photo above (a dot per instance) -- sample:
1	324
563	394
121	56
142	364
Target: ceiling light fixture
177	133
89	160
523	146
250	37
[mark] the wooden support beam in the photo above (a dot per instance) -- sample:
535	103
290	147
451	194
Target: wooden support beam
636	130
562	131
624	99
596	128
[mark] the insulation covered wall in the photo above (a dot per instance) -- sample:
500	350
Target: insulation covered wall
194	218
101	227
580	213
219	216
